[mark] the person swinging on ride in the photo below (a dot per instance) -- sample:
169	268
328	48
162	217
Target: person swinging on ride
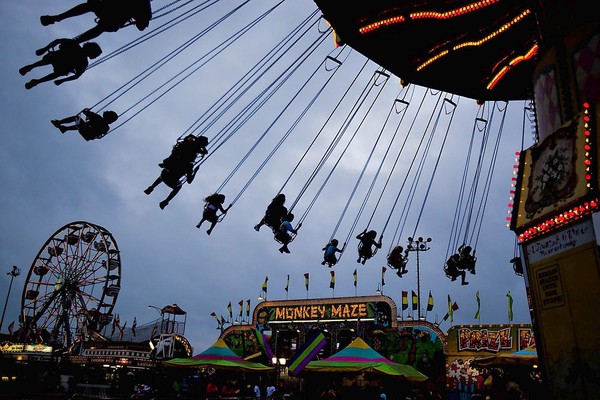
185	151
111	15
330	249
66	56
173	178
284	234
397	259
274	213
89	124
452	271
366	245
213	203
466	260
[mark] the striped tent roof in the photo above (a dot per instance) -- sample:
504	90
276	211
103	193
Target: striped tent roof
218	356
359	357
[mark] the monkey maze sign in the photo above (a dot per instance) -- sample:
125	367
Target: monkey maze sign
321	311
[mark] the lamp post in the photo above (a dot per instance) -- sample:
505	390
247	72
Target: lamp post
418	246
13	274
156	308
159	310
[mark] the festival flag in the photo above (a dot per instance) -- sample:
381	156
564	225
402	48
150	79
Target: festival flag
510	306
248	308
122	330
11	326
454	308
451	309
287	284
355	278
230	311
155	331
264	344
306	275
241	304
415	301
222	321
332	282
477	314
214	315
114	325
430	302
134	327
404	300
383	269
306	353
264	286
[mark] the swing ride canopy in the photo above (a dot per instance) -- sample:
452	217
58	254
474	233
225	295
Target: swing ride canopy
359	357
485	50
218	356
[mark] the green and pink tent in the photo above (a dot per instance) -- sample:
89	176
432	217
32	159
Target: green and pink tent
218	356
359	357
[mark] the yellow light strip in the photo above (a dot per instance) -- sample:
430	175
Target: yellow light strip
530	53
479	42
428	15
453	13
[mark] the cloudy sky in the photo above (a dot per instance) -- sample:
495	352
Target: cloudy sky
348	146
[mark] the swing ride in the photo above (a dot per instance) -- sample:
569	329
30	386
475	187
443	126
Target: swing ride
176	177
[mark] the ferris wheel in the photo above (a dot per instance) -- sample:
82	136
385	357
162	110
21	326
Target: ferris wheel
72	285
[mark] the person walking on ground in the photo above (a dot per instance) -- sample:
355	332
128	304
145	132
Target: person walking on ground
256	391
270	392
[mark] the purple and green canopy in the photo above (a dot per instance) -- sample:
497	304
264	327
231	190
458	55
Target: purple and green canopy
359	357
218	356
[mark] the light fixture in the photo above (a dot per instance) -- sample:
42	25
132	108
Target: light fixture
159	310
